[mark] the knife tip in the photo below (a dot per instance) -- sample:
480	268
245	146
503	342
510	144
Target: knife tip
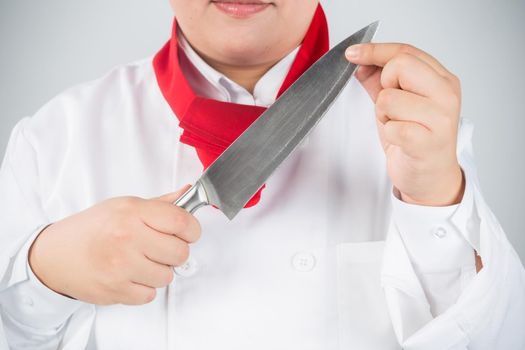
373	28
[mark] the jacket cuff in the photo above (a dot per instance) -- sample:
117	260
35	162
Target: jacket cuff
30	302
433	236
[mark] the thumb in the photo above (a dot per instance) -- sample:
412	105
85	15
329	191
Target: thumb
172	196
370	78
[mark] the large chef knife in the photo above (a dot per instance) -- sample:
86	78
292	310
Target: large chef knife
246	164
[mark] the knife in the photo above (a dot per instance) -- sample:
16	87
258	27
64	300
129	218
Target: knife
239	172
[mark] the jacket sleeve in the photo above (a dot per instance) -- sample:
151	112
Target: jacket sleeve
31	315
436	299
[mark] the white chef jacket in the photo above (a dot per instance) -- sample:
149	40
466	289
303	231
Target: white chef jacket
329	259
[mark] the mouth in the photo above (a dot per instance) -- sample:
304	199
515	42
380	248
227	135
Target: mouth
241	8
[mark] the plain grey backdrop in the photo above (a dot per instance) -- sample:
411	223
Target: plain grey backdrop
48	46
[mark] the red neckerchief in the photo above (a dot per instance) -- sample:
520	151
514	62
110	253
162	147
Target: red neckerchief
211	125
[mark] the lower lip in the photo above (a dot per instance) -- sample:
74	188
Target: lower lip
240	10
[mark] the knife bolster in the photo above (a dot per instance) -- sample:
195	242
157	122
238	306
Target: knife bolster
193	199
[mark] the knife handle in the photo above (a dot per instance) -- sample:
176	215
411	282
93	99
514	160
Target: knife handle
193	199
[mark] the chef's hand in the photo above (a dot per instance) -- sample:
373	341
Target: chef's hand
417	108
117	251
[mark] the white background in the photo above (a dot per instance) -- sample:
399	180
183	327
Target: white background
48	46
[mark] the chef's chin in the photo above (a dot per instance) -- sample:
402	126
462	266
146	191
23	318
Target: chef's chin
247	36
247	49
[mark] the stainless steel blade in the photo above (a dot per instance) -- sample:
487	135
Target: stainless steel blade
242	168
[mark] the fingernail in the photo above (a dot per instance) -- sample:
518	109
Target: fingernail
352	52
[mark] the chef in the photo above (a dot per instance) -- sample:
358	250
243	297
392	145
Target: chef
373	234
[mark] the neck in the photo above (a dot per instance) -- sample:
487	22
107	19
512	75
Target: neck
245	76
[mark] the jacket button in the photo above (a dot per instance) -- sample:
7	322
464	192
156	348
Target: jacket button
439	232
187	269
303	261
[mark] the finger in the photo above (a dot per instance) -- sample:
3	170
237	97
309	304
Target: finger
172	196
170	219
164	249
151	274
137	294
378	54
412	74
395	104
370	78
410	137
